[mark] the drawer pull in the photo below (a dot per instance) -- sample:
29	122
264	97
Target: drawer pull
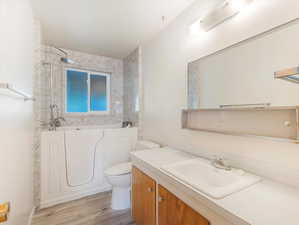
149	189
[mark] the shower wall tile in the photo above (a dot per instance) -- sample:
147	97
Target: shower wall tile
131	87
85	62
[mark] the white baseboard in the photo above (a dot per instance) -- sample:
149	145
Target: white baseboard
72	196
31	216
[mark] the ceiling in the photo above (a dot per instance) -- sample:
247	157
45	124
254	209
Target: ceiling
104	27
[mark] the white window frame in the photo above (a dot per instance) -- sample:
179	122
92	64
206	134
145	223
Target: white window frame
89	72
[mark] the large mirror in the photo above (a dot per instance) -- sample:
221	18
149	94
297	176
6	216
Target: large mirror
244	74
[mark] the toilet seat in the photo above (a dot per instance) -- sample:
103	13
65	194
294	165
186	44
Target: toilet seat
119	169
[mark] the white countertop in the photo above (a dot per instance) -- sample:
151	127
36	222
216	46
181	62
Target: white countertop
265	203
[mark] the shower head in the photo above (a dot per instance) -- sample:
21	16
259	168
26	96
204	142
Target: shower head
67	60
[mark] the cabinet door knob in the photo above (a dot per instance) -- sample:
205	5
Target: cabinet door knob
160	199
149	189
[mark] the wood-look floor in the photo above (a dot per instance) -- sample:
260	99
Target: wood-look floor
92	210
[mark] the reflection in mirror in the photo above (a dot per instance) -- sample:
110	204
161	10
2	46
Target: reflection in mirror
243	74
289	74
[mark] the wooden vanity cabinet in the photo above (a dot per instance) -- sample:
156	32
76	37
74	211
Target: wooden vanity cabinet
171	210
143	198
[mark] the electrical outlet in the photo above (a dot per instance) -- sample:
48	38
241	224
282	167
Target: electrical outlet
4	210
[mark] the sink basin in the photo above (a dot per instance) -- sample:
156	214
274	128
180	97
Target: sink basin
216	183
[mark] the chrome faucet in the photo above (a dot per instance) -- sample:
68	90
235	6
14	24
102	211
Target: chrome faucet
220	163
54	121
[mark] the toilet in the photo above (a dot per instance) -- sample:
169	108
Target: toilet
119	176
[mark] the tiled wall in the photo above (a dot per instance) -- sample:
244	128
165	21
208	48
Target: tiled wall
86	62
131	87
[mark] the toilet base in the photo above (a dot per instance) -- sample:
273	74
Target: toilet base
121	198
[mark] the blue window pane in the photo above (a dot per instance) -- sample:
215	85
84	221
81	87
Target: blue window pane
77	91
98	93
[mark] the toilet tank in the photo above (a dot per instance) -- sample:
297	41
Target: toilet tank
143	145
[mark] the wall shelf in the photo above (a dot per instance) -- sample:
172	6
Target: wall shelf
11	88
272	122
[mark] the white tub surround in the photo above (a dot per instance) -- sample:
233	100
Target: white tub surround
265	203
73	161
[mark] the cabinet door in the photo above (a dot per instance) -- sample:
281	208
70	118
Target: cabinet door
173	211
143	198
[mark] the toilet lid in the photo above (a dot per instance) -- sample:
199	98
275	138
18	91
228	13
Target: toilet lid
119	169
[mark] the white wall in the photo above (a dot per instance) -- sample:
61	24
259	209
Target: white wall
164	66
16	123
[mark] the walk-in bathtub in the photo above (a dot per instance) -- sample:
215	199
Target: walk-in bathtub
73	160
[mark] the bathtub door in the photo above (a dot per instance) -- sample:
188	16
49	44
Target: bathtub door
80	155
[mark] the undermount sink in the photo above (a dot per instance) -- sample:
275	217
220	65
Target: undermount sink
216	183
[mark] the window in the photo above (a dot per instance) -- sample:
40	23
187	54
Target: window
87	92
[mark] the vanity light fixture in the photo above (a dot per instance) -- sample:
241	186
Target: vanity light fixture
223	12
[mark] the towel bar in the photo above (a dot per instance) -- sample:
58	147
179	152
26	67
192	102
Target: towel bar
12	89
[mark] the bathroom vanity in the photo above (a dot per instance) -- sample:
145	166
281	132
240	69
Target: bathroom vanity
158	198
171	210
